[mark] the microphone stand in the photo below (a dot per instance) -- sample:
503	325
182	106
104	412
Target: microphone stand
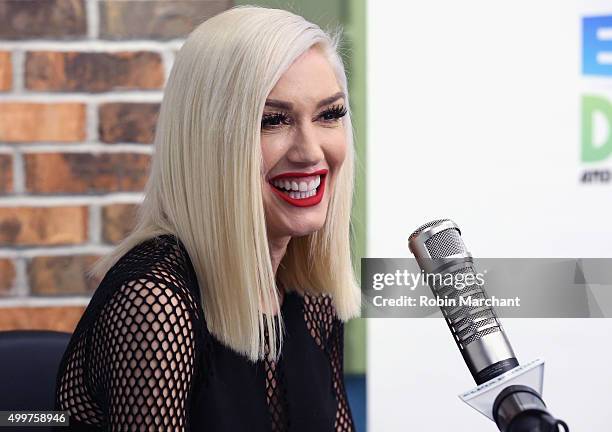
519	408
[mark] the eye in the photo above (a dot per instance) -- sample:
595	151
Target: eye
274	120
333	113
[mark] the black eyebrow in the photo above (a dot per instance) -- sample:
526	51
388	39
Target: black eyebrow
279	104
330	99
275	103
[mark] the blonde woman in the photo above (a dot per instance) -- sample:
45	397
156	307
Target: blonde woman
223	310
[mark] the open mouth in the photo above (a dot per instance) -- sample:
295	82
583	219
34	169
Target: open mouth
300	189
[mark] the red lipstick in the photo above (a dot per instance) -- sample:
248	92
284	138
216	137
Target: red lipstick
301	202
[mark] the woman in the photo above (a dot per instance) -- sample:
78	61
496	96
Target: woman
223	310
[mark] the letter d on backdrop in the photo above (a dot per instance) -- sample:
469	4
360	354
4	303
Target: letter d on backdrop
595	151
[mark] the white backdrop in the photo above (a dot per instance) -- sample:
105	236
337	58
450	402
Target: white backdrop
474	115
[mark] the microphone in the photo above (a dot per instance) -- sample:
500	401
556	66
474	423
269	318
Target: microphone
439	249
478	333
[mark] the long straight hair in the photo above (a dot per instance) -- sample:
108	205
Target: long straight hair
205	182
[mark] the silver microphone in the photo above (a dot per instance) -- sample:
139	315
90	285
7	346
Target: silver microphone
440	251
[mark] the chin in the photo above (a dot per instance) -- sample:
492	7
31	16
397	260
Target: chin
304	229
287	220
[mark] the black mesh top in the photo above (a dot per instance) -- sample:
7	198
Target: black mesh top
142	359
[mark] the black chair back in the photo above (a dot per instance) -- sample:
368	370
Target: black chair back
29	362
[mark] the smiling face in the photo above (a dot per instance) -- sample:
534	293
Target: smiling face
303	144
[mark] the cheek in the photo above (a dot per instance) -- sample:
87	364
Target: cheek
336	149
274	147
269	152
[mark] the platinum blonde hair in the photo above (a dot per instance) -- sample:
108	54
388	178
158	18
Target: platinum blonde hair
205	183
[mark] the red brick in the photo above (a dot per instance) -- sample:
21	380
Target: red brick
85	172
31	121
93	71
128	122
6	71
155	19
57	19
53	275
7	275
64	318
43	226
118	220
6	174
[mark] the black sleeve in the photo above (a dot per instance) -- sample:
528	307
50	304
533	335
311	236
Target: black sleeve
143	356
328	332
344	418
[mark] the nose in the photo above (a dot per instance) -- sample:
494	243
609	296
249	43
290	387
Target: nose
306	148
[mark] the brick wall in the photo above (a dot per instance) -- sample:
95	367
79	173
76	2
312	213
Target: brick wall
80	87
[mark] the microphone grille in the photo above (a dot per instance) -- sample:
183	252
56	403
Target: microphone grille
445	243
425	226
468	323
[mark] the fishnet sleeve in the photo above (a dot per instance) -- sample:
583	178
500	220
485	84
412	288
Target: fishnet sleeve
327	331
143	356
344	418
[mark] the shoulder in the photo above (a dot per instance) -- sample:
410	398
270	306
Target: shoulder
154	273
153	282
160	262
161	255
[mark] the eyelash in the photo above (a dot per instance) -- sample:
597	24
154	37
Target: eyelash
275	120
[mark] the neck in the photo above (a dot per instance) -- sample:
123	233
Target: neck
278	248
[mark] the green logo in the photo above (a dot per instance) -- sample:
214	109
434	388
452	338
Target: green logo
595	151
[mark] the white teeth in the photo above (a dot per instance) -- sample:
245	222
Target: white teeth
299	189
302	195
